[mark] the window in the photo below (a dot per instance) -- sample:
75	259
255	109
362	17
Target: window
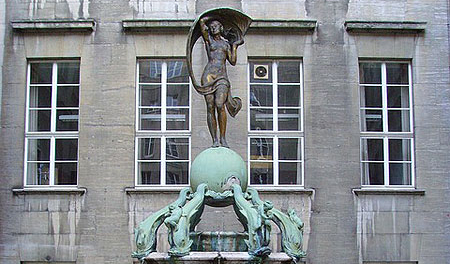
163	123
275	122
51	136
386	124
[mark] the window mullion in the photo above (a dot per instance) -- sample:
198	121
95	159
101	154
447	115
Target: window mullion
163	160
384	97
386	160
52	161
275	95
27	114
163	96
138	95
301	96
275	161
54	99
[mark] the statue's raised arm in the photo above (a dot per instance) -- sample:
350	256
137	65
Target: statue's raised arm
222	30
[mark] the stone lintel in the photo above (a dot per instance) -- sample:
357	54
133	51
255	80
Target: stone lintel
271	25
266	25
50	190
33	26
156	25
388	191
216	257
407	27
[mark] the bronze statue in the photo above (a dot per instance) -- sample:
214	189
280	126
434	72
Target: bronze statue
222	31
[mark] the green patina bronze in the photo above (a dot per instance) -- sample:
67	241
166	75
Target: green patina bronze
219	177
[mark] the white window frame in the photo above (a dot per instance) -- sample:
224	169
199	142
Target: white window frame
53	135
275	134
385	135
163	133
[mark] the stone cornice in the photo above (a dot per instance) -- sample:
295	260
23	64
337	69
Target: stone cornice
408	27
388	191
258	25
34	26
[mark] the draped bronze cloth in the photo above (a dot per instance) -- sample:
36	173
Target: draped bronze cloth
235	24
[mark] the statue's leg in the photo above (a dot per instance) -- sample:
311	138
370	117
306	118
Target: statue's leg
145	234
191	212
290	225
221	96
211	118
258	240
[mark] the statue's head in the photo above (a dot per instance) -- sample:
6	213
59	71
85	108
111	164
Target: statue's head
215	27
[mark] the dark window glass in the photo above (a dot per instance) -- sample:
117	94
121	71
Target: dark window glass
288	72
176	173
290	173
370	73
261	173
66	173
68	96
41	73
149	173
397	73
177	72
66	149
150	71
67	120
40	97
68	73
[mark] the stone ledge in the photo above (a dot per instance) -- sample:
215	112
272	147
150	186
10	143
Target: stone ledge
171	25
271	25
177	189
156	25
216	257
48	190
33	26
385	27
387	191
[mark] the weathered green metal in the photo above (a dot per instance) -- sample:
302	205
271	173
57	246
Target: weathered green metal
256	221
182	220
219	168
145	234
290	225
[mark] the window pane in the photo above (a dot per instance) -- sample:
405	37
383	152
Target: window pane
38	149
261	95
66	173
371	96
150	71
261	148
260	72
176	172
177	72
399	173
69	72
177	119
288	72
261	173
38	173
400	149
289	119
261	119
68	96
398	121
398	96
149	173
177	148
66	120
397	73
290	173
66	149
371	120
149	148
150	95
289	149
40	96
39	120
150	119
372	149
41	73
177	95
370	72
289	95
373	173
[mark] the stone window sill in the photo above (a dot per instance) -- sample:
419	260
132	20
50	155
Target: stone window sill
388	191
48	190
409	27
177	189
34	26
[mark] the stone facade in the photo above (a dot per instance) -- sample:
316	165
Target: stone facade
344	223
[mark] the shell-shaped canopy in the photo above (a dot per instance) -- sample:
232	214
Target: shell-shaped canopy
233	21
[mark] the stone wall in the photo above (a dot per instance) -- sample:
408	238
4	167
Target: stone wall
341	225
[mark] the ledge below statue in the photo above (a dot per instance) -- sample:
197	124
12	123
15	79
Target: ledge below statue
217	257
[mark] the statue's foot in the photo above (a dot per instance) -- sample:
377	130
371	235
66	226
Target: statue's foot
224	143
215	144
